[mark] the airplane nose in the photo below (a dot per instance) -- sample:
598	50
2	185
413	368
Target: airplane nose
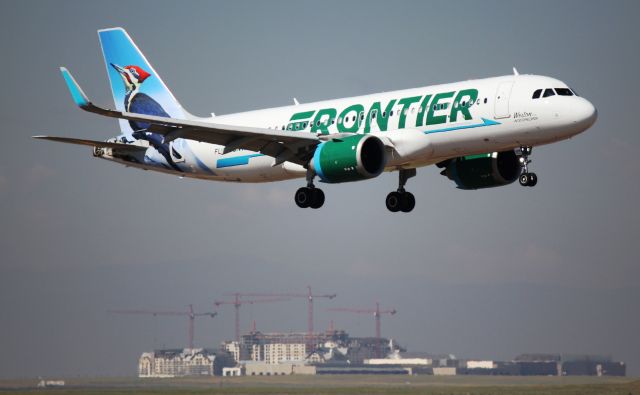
585	113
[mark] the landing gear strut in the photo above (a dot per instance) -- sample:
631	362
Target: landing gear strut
309	196
526	179
402	200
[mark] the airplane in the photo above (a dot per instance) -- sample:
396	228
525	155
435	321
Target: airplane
479	132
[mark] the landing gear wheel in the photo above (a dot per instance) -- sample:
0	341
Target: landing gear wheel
393	202
401	200
407	202
303	197
533	179
528	179
317	198
309	196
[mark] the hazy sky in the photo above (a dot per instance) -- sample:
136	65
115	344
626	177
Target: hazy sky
485	274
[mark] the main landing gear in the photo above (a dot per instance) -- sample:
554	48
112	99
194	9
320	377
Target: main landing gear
402	200
309	196
526	179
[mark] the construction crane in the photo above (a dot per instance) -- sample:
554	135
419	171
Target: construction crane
190	314
237	302
308	295
376	315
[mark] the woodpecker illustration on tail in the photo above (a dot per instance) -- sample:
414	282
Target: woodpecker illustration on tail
141	103
136	101
137	88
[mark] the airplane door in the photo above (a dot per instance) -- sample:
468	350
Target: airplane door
502	99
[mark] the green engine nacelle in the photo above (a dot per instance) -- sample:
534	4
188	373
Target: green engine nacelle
483	171
352	158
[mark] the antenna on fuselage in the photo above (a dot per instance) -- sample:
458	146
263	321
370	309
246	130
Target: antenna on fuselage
515	71
295	101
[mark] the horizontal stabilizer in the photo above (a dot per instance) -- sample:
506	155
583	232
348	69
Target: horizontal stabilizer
93	143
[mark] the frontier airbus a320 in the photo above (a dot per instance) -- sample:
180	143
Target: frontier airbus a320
480	132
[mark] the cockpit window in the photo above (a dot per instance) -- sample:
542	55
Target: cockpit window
548	92
536	94
564	92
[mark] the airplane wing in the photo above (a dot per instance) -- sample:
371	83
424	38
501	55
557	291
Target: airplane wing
93	143
283	145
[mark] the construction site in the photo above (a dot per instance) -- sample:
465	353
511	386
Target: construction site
334	351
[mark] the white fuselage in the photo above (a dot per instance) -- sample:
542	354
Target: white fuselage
417	132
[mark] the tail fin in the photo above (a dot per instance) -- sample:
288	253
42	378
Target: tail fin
135	84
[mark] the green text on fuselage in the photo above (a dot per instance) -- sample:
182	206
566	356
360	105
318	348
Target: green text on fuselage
430	109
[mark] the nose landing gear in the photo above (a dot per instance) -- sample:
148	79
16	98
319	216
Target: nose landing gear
526	179
402	200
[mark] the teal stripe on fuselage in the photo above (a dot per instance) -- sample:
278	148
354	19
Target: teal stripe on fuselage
235	161
485	122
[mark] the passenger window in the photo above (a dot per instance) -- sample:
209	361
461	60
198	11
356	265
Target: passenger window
485	100
384	114
391	113
564	92
536	94
548	92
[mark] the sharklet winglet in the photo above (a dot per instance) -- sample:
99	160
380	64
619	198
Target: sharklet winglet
81	99
77	94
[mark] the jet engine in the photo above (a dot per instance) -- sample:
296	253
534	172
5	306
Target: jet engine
351	158
482	171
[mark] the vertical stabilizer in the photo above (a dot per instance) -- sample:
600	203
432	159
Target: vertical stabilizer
135	84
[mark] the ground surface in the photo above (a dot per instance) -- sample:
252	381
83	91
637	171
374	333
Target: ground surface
352	384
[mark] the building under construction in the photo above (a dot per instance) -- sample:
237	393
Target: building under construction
330	346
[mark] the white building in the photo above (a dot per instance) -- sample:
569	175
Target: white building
176	363
444	371
400	361
251	368
481	365
233	348
284	352
233	372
